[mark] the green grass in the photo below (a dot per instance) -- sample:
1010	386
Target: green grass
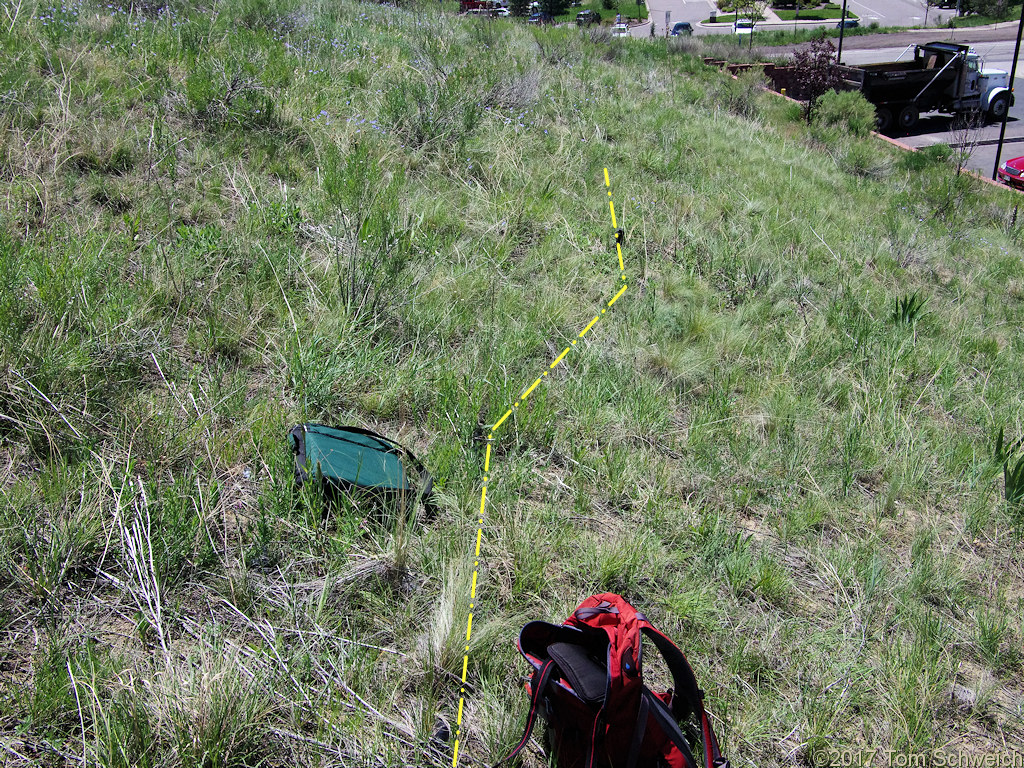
822	14
779	444
818	14
779	37
628	11
979	20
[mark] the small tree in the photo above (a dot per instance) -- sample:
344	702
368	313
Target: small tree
799	5
751	9
995	8
518	7
966	135
554	7
816	73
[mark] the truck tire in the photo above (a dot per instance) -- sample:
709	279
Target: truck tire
883	120
909	116
997	109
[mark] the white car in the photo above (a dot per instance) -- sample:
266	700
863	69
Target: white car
620	30
742	27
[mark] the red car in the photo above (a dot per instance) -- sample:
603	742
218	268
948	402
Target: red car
1012	172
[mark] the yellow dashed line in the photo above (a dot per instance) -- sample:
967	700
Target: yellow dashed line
502	420
589	325
559	358
487	467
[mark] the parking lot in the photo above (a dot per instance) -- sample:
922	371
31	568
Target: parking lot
887	13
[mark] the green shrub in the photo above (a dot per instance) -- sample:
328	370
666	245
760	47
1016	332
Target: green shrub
432	113
863	159
741	96
231	93
937	154
845	109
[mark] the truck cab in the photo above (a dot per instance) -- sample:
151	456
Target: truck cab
979	89
993	87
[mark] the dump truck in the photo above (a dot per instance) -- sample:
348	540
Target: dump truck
942	77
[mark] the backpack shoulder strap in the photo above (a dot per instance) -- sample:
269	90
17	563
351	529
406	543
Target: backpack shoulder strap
666	720
690	700
538	683
687	692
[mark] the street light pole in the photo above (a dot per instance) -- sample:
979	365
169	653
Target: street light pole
842	29
1006	114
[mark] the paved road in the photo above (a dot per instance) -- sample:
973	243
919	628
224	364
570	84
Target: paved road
898	13
693	11
887	13
942	129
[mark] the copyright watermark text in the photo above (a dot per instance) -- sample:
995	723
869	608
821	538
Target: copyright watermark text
891	758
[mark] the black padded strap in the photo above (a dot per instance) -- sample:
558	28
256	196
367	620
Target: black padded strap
691	700
589	680
687	695
538	683
712	753
639	731
669	725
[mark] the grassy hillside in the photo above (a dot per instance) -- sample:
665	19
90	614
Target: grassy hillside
220	221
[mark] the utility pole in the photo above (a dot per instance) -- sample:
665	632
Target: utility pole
1006	114
842	29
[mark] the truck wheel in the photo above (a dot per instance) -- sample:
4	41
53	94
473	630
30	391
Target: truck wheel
997	109
908	117
883	120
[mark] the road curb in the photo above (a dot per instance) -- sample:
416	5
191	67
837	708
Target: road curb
900	145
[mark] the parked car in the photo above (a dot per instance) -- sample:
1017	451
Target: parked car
1011	172
742	27
681	28
503	12
587	17
620	30
540	18
848	24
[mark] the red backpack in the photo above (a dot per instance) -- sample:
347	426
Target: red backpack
588	685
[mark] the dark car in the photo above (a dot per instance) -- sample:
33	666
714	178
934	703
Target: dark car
540	18
848	24
1012	172
587	17
681	28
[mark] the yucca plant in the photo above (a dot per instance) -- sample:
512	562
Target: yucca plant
1010	456
909	308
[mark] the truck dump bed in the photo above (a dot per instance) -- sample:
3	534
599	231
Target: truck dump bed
902	81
